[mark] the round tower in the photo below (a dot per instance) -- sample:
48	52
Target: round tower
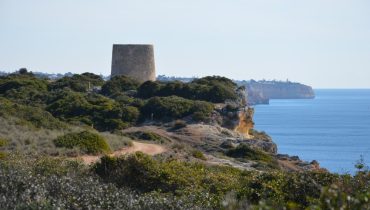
133	60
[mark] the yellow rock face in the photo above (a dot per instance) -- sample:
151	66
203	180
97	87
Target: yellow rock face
245	122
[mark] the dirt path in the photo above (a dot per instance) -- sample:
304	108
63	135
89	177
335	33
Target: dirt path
150	149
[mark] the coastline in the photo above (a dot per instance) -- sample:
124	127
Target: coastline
298	128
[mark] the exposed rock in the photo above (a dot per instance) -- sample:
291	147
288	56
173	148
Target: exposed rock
214	140
293	163
266	146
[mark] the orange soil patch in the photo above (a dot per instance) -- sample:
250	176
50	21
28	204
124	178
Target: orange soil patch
150	149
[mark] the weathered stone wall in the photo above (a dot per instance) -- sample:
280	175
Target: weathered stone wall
136	61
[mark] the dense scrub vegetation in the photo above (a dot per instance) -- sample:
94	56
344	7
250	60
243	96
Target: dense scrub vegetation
120	103
24	88
213	89
29	115
141	182
174	107
78	82
46	183
118	85
92	109
294	190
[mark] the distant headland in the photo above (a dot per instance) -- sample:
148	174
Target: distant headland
260	92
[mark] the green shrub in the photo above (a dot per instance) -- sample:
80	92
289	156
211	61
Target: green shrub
173	107
149	89
88	142
123	99
198	154
119	84
130	114
148	136
202	111
200	117
66	104
3	142
214	89
243	151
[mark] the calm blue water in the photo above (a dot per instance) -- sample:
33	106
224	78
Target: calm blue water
333	128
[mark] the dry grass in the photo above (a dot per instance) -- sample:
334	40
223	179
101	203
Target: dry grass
29	140
115	141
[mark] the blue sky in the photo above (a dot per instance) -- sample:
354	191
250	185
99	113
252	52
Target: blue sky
323	43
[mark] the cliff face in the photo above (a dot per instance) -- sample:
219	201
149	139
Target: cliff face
259	92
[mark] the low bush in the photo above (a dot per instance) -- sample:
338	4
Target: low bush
130	114
3	142
88	142
202	111
148	136
243	151
198	154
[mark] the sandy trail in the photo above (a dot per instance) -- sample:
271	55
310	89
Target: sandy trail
150	149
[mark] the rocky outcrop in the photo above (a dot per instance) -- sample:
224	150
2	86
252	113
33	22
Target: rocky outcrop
215	140
294	163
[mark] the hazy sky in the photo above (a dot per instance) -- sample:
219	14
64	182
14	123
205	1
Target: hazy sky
323	43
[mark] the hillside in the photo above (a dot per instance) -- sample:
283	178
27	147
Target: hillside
80	142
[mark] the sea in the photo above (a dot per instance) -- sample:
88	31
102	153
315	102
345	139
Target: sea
333	128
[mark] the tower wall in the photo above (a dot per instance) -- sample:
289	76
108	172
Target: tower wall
135	61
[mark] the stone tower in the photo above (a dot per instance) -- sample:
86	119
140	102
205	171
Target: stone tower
133	60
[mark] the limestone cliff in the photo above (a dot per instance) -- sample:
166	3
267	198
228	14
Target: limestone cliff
259	92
